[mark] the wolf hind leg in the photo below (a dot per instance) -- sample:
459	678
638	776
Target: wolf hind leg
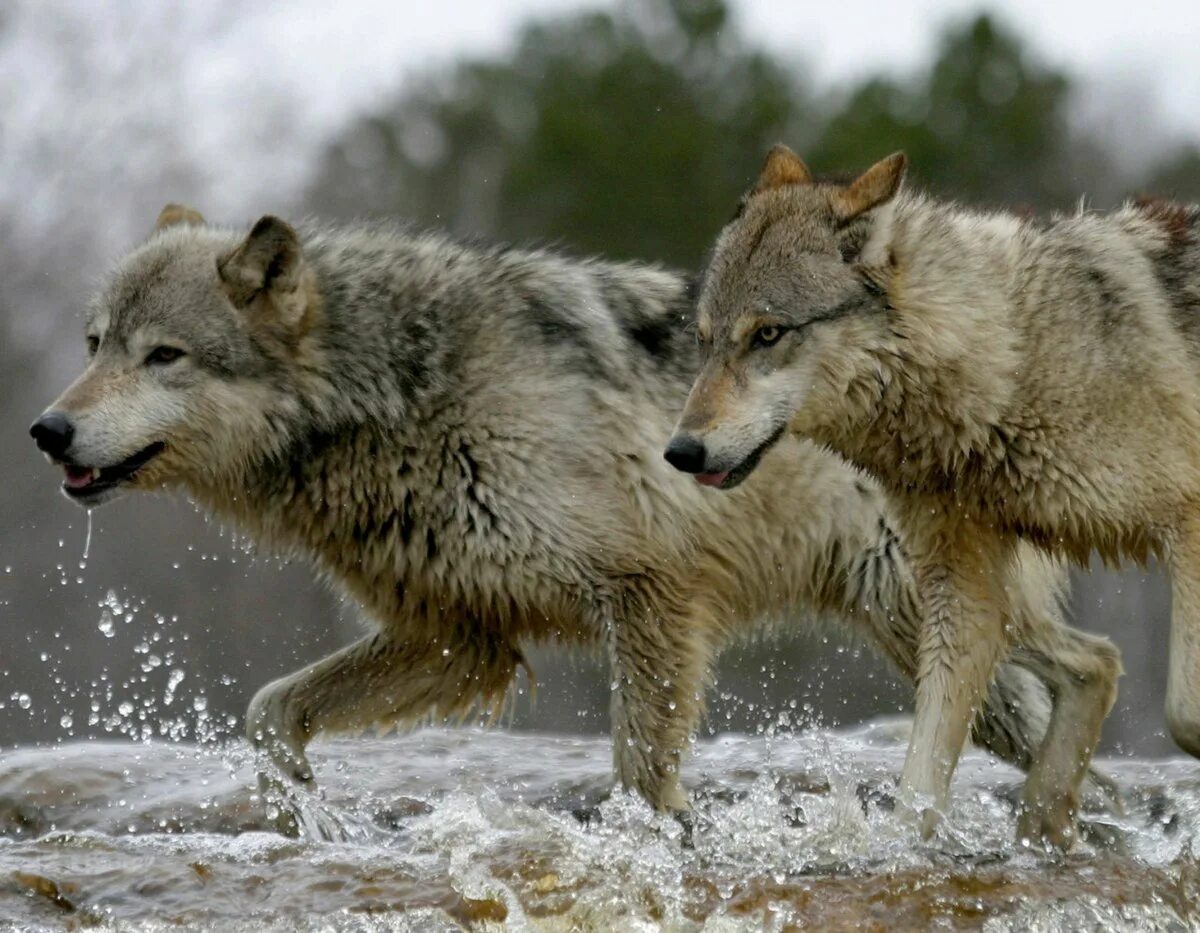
661	664
1183	671
1081	671
377	679
960	580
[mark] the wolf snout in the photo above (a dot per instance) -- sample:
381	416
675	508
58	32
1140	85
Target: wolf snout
686	453
53	433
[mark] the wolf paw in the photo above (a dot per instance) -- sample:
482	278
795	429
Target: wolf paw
923	818
1050	827
283	769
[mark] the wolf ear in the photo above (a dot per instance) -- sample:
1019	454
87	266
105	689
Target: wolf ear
269	267
782	167
174	214
877	185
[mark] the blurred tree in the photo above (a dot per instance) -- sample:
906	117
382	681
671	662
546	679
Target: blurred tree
983	123
1178	176
630	133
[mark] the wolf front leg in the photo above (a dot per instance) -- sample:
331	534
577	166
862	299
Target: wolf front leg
960	571
876	591
661	664
377	680
1183	671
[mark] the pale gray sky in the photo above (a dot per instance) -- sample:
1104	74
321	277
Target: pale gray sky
97	96
347	51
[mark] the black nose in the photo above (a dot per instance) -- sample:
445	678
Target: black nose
686	453
53	432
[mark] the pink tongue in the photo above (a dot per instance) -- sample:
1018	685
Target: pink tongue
711	479
78	477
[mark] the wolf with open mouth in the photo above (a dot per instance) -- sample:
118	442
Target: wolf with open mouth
466	441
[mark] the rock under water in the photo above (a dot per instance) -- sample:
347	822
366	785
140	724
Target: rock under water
446	829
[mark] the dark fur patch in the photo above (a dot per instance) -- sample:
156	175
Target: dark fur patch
557	329
480	506
653	336
1111	303
552	324
1179	220
1175	267
407	522
649	326
759	236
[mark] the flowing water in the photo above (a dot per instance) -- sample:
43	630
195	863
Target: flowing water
446	829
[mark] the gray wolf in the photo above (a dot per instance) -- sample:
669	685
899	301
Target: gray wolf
465	440
1009	381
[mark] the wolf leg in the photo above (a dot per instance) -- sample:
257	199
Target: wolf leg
378	679
661	664
959	572
876	591
1082	671
1183	671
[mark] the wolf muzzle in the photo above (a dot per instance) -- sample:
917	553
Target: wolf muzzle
686	453
53	433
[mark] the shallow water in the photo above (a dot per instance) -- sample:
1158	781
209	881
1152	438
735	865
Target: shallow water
454	828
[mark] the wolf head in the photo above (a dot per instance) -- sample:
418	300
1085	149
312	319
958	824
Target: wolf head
188	344
794	293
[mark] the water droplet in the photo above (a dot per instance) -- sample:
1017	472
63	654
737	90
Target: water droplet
173	680
87	541
66	722
24	701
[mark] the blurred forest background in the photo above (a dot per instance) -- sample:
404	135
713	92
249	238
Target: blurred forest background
627	131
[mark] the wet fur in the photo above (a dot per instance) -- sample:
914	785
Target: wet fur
1009	381
466	440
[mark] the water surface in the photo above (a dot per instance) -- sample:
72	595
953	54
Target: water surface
446	829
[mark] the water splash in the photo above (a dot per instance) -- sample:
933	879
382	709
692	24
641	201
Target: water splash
477	829
87	541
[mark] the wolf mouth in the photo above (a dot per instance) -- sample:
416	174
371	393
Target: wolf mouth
85	483
727	479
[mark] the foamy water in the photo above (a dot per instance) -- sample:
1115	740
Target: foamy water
448	829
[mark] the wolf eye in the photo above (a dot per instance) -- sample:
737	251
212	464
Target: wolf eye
93	344
767	336
160	356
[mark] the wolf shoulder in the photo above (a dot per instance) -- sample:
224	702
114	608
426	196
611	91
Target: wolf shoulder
1131	275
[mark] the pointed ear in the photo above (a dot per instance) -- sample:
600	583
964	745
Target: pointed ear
174	214
782	167
268	267
877	185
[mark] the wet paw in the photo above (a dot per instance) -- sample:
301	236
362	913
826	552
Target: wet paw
923	819
586	815
687	823
1050	828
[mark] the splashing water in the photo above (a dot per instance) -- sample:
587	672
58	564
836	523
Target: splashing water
465	828
87	541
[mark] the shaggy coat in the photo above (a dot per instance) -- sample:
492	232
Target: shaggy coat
1007	380
465	440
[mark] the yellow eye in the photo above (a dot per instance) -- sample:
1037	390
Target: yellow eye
160	356
767	336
